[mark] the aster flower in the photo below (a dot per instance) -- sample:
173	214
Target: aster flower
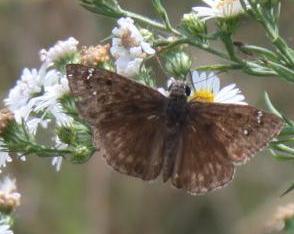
61	51
129	47
207	89
30	85
49	101
219	9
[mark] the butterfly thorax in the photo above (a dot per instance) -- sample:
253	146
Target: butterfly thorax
176	108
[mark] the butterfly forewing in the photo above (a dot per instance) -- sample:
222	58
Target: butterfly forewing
126	118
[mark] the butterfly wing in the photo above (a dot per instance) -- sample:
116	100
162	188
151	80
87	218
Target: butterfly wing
127	119
242	129
201	163
215	138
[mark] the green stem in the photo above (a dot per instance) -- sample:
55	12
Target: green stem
273	33
145	20
219	67
208	49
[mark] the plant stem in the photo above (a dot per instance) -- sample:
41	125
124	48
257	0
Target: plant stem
153	23
219	67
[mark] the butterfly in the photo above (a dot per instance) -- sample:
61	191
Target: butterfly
142	133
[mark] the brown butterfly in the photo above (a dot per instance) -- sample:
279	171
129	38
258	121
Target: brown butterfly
141	132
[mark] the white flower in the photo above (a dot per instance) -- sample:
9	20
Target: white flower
4	156
207	89
33	124
127	66
129	47
30	84
60	50
5	229
219	9
49	101
57	161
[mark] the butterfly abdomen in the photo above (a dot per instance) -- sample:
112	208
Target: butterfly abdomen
176	113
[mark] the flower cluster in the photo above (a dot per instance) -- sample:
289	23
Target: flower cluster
61	52
35	100
129	48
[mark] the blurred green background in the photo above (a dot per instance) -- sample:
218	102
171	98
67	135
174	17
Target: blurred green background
93	199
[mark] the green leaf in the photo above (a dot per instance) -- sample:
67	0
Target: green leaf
283	72
271	106
109	8
162	13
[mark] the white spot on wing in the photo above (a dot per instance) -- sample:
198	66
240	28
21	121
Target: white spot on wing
151	117
246	132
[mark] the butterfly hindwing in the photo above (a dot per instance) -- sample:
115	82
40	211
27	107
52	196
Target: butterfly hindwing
202	163
126	117
242	129
215	138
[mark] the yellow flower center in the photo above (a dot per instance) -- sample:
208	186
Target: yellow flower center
202	95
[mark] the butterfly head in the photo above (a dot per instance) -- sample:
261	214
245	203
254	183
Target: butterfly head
178	88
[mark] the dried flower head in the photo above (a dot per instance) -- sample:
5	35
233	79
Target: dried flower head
9	197
5	117
95	55
281	216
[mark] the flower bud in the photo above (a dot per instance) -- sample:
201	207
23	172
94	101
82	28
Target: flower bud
67	135
178	64
192	24
82	154
146	34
